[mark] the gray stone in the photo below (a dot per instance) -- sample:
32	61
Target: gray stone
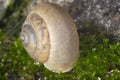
3	7
104	14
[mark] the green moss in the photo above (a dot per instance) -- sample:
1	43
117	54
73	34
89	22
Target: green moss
96	60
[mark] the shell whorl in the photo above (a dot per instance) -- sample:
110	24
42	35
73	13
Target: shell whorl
35	37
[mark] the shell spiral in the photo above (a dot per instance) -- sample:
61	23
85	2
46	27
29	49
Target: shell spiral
49	35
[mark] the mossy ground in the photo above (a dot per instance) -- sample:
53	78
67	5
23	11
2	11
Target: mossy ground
99	57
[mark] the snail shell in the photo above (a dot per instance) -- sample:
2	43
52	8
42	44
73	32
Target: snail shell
50	37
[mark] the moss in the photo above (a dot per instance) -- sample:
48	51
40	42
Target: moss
96	60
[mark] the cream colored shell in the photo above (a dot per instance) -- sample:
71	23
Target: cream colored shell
50	37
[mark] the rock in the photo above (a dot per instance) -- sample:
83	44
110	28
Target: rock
3	7
103	15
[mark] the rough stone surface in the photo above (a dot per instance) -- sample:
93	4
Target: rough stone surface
3	6
103	14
